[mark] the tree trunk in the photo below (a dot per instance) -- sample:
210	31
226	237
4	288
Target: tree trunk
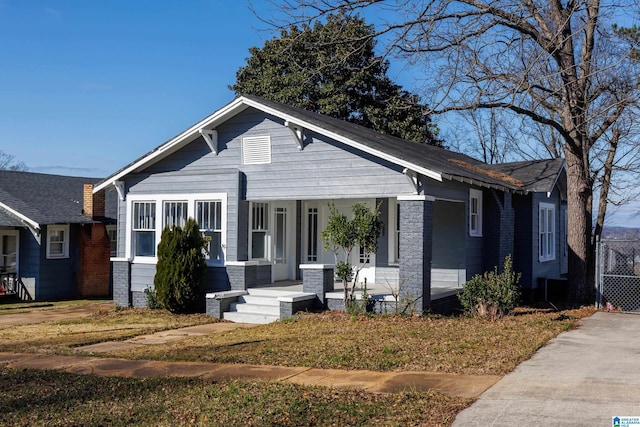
579	228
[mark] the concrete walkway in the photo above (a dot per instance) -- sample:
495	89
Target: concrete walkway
581	378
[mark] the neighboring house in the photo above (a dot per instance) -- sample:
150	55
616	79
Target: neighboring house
54	242
258	177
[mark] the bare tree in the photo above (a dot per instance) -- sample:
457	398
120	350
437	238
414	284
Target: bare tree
9	162
556	63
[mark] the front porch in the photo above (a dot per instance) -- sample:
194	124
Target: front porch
280	300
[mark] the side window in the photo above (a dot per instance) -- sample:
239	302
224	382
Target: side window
58	241
546	232
144	228
475	213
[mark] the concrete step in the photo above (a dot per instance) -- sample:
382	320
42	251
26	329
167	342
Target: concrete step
243	307
239	317
259	300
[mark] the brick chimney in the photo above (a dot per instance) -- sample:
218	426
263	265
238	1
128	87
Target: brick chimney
93	204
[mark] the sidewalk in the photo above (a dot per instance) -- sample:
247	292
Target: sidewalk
581	378
467	386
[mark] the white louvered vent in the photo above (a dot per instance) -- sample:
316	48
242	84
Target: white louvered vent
256	150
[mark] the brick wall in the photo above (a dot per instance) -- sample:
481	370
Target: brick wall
93	262
416	217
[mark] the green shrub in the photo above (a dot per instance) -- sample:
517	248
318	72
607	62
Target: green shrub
181	270
493	294
152	299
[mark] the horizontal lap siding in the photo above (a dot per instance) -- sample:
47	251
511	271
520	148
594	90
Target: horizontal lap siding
57	278
324	169
142	276
525	245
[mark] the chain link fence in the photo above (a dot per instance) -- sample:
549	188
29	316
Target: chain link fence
618	275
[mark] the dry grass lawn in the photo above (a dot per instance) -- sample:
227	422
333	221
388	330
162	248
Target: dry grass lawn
379	343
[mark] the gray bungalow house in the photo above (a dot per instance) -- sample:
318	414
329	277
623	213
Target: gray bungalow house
54	237
258	177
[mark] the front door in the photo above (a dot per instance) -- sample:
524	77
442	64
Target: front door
283	241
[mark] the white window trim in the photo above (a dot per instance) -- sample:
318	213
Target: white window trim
544	207
269	231
65	243
222	228
475	194
159	200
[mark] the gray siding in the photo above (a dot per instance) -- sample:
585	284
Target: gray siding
547	268
324	169
448	235
142	276
122	218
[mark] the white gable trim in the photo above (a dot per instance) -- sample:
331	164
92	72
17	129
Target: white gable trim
225	113
33	226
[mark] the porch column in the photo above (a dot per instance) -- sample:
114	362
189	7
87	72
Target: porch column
317	279
416	213
242	274
121	282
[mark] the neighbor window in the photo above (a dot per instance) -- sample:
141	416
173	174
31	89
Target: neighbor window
112	232
209	217
58	241
475	213
546	231
144	228
259	230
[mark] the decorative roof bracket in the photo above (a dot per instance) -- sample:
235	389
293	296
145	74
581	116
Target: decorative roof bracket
412	176
211	138
297	132
119	185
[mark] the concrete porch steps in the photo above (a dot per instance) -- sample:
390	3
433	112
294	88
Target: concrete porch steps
259	306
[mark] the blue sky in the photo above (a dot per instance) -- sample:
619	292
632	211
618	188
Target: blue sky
87	86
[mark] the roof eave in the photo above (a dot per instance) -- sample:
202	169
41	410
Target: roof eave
31	223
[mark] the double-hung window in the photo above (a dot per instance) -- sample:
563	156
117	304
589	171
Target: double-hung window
475	213
58	241
175	214
209	218
259	230
144	228
546	232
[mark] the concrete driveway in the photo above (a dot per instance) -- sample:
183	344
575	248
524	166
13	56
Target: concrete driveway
581	378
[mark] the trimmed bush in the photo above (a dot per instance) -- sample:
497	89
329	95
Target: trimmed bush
181	271
493	294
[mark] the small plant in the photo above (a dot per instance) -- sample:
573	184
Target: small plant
152	299
493	294
361	306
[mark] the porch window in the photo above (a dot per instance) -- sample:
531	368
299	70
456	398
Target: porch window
546	231
8	251
175	214
397	243
144	228
209	217
475	213
58	241
259	230
280	235
312	235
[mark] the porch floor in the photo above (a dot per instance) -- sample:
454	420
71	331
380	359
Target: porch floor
375	290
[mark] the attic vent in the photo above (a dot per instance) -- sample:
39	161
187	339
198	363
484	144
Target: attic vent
256	150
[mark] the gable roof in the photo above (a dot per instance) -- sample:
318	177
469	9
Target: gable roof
434	162
37	199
